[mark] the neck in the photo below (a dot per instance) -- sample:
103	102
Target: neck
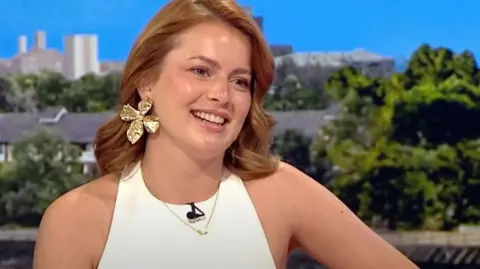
174	176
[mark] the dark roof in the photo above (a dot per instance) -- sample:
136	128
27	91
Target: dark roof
81	127
280	50
307	122
51	112
432	254
419	254
74	127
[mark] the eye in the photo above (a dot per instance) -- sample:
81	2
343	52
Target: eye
200	71
244	83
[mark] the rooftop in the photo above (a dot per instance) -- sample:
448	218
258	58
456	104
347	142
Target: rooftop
82	127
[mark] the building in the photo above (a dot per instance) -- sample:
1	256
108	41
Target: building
77	128
369	63
80	128
80	57
277	50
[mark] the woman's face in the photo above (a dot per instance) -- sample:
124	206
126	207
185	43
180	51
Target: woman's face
202	96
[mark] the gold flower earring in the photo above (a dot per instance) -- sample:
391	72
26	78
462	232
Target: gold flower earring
139	120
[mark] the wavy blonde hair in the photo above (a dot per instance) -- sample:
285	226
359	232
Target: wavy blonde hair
249	156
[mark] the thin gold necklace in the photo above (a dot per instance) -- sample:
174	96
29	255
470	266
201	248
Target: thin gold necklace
203	231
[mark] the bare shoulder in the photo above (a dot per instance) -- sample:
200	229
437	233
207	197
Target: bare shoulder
328	230
279	189
284	185
83	216
271	194
275	184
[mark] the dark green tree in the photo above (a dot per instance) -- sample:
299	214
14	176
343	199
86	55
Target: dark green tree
20	94
294	148
291	95
5	106
92	93
34	92
50	88
44	167
400	150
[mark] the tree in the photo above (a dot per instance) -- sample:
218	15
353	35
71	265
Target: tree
35	92
44	167
4	104
19	93
292	95
93	93
50	89
298	87
441	103
294	148
399	150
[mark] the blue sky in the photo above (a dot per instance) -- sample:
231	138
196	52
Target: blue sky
392	28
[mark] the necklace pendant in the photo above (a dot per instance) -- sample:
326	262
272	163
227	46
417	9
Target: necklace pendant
201	232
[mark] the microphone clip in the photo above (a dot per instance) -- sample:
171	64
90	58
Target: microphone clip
194	216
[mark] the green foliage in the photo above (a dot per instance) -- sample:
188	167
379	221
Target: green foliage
294	148
32	92
93	93
291	95
44	167
298	87
404	149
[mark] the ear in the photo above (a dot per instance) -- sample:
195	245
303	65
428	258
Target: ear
145	92
146	84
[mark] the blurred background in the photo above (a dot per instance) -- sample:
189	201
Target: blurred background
377	100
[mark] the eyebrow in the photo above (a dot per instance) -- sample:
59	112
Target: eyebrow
236	71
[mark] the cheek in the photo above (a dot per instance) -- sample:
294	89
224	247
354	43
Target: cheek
185	89
175	90
242	105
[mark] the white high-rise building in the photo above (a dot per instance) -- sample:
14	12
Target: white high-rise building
80	56
22	44
41	40
91	54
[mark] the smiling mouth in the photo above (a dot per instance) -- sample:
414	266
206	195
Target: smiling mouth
209	118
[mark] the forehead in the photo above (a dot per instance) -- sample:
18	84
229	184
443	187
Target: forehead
214	40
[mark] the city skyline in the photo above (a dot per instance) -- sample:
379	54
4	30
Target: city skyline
386	28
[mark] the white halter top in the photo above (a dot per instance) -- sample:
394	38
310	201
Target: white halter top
145	234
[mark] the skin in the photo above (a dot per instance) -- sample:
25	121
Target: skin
202	73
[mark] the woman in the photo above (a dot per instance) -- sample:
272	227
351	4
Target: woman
188	179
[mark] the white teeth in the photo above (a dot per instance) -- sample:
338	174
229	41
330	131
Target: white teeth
209	117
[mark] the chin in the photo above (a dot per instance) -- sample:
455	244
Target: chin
209	150
203	146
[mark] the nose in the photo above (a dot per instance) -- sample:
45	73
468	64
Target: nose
219	93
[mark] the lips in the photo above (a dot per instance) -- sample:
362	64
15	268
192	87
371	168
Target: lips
209	117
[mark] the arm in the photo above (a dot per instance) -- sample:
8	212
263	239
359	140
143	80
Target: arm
326	229
61	240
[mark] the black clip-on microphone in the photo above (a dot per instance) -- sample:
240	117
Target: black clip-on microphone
193	215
